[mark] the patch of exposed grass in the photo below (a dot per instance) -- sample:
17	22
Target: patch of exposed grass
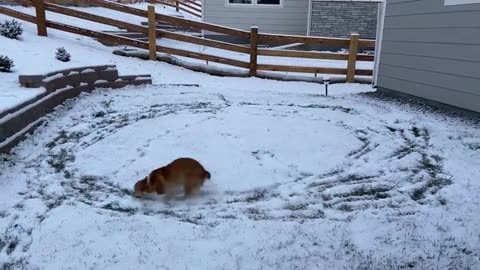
442	201
115	206
17	264
54	202
19	206
296	206
64	137
437	179
12	245
361	135
318	214
254	196
391	129
99	114
474	146
257	195
61	138
320	106
256	213
327	196
230	216
416	131
194	220
59	160
349	178
345	207
365	191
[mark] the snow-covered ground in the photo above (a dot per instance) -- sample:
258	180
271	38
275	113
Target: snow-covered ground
299	180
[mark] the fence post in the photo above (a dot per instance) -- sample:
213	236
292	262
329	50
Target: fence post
352	57
40	18
253	50
152	33
177	5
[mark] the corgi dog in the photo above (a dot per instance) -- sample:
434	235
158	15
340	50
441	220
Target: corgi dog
185	172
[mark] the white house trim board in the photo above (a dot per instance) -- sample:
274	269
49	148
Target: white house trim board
378	43
202	32
460	2
309	20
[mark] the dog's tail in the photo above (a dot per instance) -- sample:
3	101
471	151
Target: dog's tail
207	175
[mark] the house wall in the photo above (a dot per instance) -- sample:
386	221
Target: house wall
340	18
290	18
432	51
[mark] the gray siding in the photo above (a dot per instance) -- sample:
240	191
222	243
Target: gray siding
341	18
291	18
432	51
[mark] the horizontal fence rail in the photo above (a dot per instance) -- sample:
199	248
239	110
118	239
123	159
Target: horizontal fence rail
253	51
186	6
171	19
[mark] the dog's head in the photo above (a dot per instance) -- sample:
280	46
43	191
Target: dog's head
141	187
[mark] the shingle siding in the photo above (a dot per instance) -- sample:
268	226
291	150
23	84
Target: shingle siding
432	51
341	18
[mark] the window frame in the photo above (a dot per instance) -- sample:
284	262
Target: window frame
227	3
254	4
460	2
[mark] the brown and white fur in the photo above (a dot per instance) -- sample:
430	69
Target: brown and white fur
185	172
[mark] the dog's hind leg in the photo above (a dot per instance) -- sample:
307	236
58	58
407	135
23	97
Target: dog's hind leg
192	187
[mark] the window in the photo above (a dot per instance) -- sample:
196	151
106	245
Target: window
255	2
269	2
248	2
460	2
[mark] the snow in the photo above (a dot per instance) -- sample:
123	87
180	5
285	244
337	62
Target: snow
101	81
299	180
53	77
28	107
12	94
88	70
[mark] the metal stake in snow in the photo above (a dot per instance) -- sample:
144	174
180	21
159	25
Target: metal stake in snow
326	82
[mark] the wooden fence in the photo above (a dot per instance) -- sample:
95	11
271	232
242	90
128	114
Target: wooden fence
188	6
353	44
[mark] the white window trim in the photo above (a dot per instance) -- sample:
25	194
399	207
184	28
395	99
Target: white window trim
460	2
254	4
309	18
382	7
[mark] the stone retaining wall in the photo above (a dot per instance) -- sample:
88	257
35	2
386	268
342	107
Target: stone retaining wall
61	85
